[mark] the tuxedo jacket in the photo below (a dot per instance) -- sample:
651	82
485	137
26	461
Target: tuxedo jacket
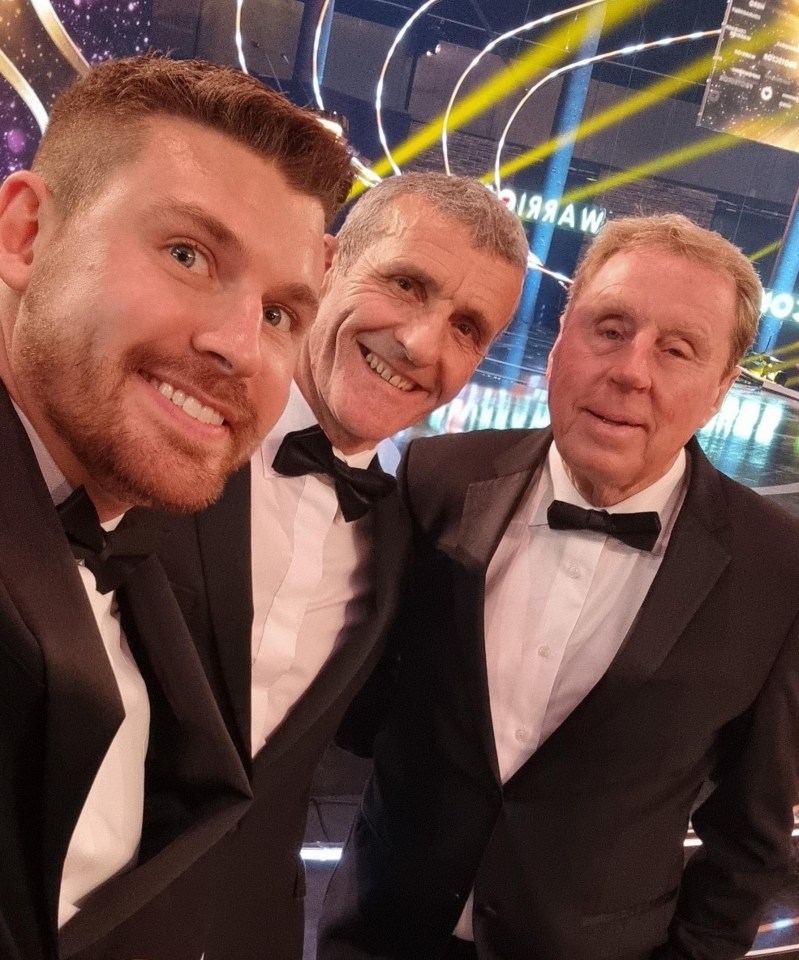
244	899
579	855
60	709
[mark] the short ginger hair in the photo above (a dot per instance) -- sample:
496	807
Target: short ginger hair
100	123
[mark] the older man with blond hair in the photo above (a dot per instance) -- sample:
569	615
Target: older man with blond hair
581	660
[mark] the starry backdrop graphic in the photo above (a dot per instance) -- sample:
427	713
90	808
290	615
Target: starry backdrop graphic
100	29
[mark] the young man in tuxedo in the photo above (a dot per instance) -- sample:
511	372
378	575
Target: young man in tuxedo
599	636
288	582
150	317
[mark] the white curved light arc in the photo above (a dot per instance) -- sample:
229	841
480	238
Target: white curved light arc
59	35
317	39
381	79
365	174
24	89
534	263
524	28
621	52
239	42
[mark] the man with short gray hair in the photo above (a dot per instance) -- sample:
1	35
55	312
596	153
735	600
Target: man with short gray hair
288	582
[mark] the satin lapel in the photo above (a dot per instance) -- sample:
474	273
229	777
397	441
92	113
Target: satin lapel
196	787
83	708
695	559
490	504
391	538
488	509
224	535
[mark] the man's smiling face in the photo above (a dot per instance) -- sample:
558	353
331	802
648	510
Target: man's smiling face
400	331
157	333
643	360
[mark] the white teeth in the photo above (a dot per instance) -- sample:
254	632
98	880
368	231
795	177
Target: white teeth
188	404
192	406
389	375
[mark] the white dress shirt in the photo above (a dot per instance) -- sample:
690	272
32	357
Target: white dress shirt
106	838
559	604
311	573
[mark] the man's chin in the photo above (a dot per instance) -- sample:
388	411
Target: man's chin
187	489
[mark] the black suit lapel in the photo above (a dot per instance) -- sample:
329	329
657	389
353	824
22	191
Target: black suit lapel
488	509
83	708
491	503
196	788
224	535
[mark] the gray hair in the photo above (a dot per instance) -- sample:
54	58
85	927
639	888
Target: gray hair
460	199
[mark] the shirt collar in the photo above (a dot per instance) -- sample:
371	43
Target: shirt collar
57	483
298	415
660	496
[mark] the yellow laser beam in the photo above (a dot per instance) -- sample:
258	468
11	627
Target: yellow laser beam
503	83
674	158
621	111
751	129
764	251
637	103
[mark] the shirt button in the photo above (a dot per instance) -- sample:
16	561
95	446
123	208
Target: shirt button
544	651
522	735
573	571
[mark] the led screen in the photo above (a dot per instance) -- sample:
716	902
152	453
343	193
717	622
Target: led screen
753	90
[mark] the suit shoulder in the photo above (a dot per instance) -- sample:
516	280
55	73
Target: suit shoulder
438	471
466	455
756	516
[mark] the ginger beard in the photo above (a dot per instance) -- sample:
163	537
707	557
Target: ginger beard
91	399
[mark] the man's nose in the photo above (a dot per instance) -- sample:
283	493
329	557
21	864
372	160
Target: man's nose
633	367
232	336
421	336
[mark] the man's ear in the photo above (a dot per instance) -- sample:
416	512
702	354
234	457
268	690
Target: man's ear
22	197
726	382
548	371
331	245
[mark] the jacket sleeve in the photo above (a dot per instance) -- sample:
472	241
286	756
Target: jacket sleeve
745	825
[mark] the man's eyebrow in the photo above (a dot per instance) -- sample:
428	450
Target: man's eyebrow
297	294
201	220
400	268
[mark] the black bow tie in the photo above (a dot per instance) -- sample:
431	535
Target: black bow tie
639	530
309	451
110	555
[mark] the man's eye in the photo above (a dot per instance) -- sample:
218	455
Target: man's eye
679	352
188	257
467	329
277	317
405	283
